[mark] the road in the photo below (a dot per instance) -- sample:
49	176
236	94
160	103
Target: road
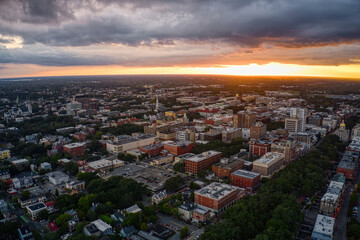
177	224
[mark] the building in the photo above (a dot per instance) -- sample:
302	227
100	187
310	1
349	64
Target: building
303	137
269	163
5	154
162	160
105	164
287	147
4	175
230	134
46	166
211	136
158	197
76	185
154	128
323	228
343	133
202	161
245	179
20	164
124	143
178	148
57	177
259	147
75	149
292	125
227	166
217	196
258	130
301	114
244	119
330	201
3	206
347	166
153	149
35	209
201	214
186	211
25	233
97	228
185	135
166	135
355	132
315	120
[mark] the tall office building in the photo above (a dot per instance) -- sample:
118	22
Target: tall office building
244	119
301	114
292	125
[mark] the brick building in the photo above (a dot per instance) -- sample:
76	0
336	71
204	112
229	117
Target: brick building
217	196
75	149
227	166
244	119
259	147
287	147
245	179
178	148
258	130
202	161
152	149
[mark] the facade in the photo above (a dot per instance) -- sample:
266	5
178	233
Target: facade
75	149
229	135
269	163
303	137
152	149
178	148
227	166
301	115
217	196
258	130
186	135
3	206
245	179
166	135
330	201
324	228
5	154
355	132
343	133
259	147
25	233
287	147
186	210
292	125
202	161
75	185
244	119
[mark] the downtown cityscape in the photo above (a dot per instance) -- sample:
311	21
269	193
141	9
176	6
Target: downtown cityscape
188	119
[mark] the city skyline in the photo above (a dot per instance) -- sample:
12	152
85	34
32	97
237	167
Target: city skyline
266	38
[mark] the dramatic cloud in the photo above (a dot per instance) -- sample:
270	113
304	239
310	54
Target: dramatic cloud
178	32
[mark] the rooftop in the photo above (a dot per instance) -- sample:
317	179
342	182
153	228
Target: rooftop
324	225
217	190
36	206
203	156
245	174
101	225
74	145
269	159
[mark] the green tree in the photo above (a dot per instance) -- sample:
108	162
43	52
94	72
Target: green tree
43	214
173	183
71	168
62	220
179	167
184	232
25	195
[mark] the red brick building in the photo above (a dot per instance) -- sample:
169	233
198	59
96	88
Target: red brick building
217	196
259	147
75	149
81	136
202	161
227	166
245	179
152	149
178	148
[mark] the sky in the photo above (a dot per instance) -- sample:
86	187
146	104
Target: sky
236	37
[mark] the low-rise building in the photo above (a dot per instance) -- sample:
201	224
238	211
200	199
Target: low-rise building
75	149
178	148
25	233
269	163
323	228
217	196
152	150
75	185
35	209
97	228
226	166
124	143
5	154
259	147
3	206
104	164
202	161
186	211
245	179
57	177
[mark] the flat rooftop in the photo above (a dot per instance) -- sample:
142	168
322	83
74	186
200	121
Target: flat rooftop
324	225
269	159
216	190
37	206
203	156
347	164
245	174
177	144
73	145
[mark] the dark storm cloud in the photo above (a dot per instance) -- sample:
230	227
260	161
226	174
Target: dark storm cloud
237	23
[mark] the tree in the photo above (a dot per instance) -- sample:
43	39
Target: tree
56	192
43	214
25	195
62	220
71	168
144	226
86	176
173	183
179	167
184	232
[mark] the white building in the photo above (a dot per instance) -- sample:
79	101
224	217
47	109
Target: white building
57	177
35	209
324	228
